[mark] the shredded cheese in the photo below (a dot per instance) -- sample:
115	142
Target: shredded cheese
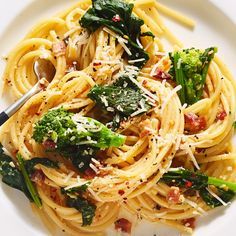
217	197
68	177
170	95
94	168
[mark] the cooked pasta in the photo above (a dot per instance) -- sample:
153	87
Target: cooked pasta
172	133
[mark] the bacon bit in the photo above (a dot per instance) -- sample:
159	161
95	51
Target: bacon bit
116	18
56	196
49	144
160	74
194	123
59	48
123	225
97	64
38	177
191	223
221	115
121	192
89	174
188	184
173	195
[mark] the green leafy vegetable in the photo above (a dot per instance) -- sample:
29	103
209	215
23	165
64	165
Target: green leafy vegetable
80	189
198	181
75	199
30	164
11	175
86	208
189	69
122	99
226	196
117	16
28	182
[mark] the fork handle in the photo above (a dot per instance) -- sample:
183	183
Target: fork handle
3	118
11	110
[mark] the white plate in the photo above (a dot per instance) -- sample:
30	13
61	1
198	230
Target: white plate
214	28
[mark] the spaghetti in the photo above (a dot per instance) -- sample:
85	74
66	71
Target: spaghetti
128	178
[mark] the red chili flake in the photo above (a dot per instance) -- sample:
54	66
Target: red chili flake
121	192
49	144
173	195
144	82
188	184
89	173
194	123
38	177
97	63
191	222
160	74
116	18
221	115
123	225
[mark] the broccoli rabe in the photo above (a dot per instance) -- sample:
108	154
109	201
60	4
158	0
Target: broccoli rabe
198	181
75	137
67	130
189	69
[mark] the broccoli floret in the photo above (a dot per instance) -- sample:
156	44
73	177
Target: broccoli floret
69	131
189	69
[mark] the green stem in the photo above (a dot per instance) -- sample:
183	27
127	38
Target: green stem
179	76
219	183
29	184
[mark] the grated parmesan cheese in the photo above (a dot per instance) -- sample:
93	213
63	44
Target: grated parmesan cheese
94	168
137	60
171	94
190	153
124	46
68	177
148	93
217	197
138	112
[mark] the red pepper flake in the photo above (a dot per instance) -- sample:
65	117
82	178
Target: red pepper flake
49	144
116	18
123	225
221	115
194	123
160	74
191	223
173	196
144	82
121	192
97	63
188	184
